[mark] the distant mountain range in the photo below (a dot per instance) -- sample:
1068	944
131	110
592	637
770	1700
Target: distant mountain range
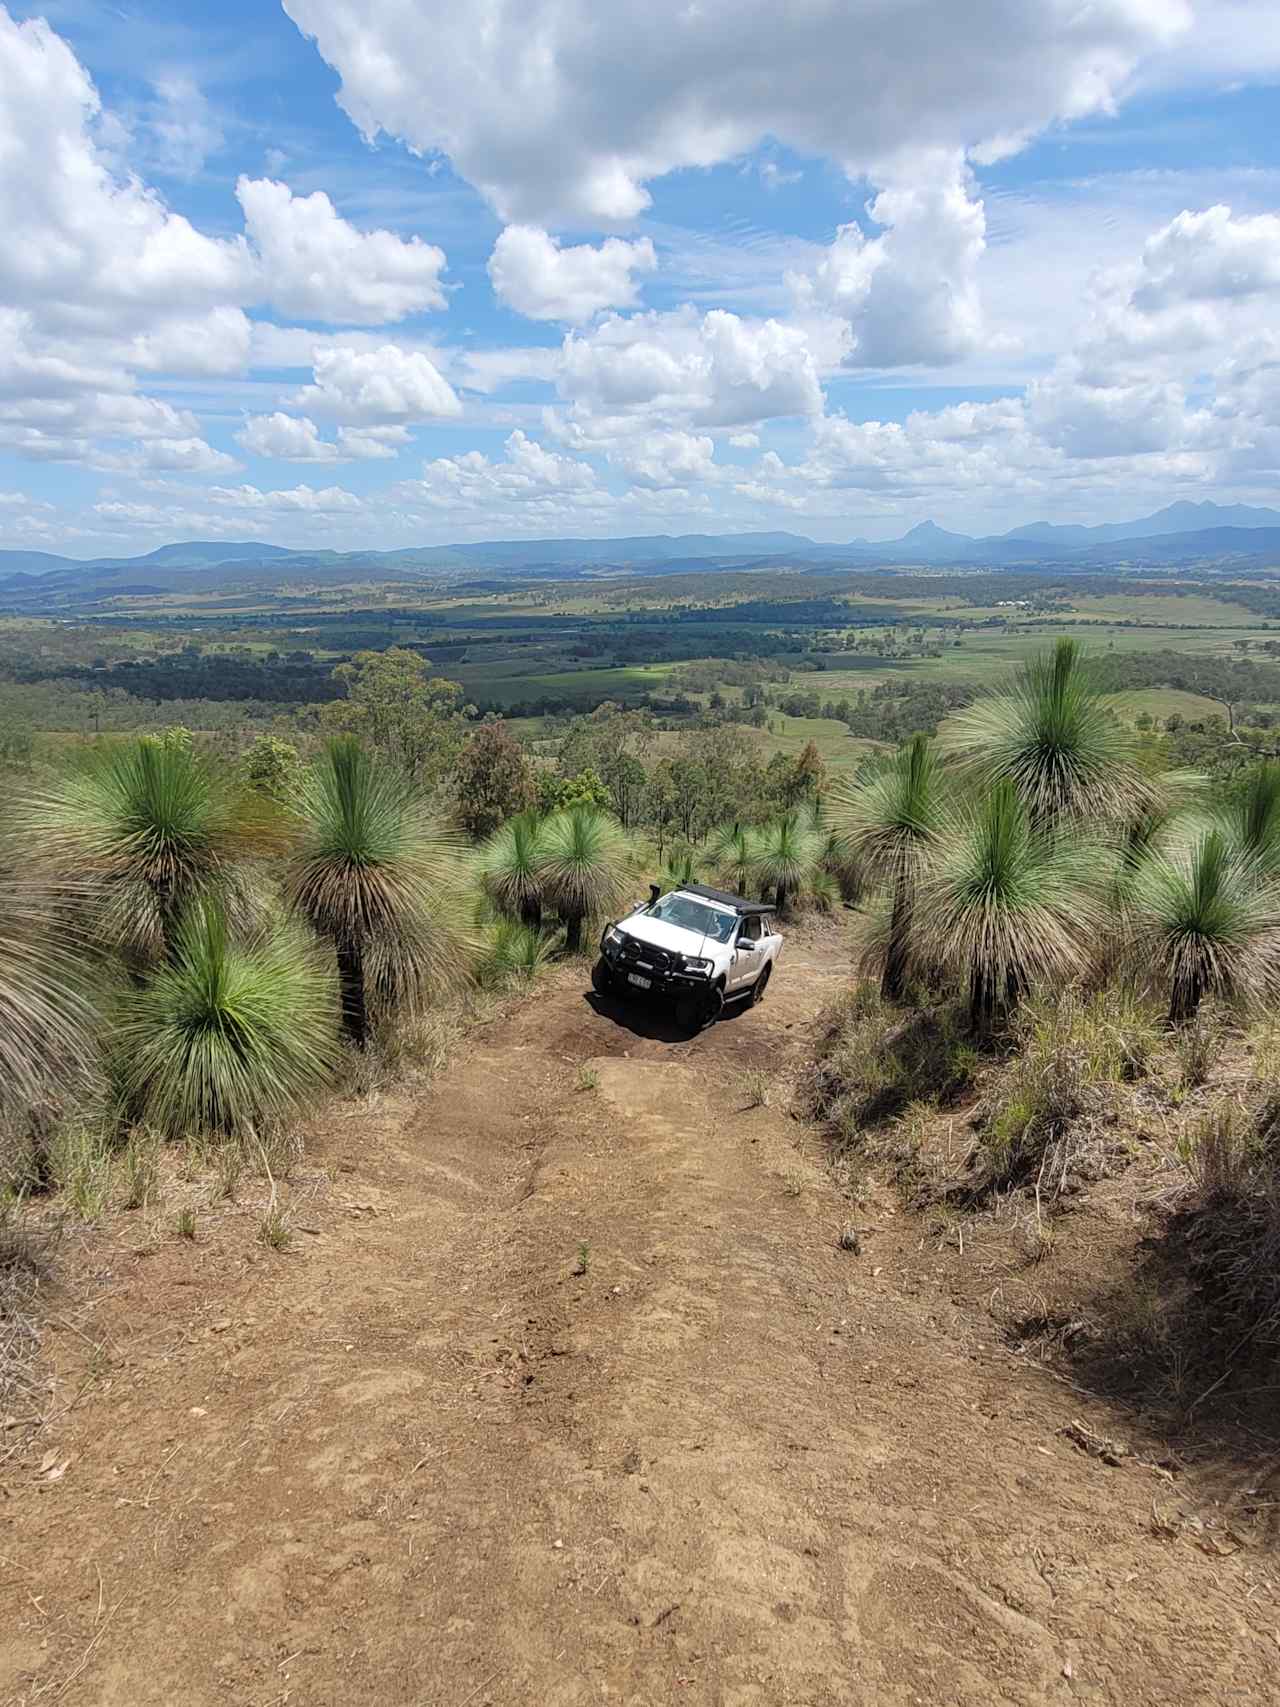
1181	533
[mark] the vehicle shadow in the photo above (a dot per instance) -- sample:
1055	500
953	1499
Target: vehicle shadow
652	1021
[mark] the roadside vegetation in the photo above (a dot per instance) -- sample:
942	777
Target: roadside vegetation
1061	931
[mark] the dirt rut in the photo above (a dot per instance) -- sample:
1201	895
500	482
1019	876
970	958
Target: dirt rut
570	1397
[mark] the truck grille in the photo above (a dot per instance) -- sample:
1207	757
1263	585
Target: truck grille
645	955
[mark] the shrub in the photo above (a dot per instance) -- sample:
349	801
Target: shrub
1231	1222
1046	1118
875	1062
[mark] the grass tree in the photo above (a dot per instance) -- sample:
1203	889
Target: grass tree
144	828
1251	820
888	822
1056	739
584	867
511	954
46	1020
787	850
1206	921
367	870
1006	904
227	1037
680	869
731	854
510	864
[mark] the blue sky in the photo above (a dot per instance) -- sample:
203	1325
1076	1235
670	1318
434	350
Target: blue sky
354	274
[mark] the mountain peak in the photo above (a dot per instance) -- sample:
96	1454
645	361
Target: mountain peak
922	532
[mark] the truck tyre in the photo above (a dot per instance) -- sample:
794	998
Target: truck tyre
760	986
713	1005
602	978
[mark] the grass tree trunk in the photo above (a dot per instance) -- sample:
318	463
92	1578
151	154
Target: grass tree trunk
981	1003
531	913
167	909
1188	993
572	932
780	898
894	979
355	1012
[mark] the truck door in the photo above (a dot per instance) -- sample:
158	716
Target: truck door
746	961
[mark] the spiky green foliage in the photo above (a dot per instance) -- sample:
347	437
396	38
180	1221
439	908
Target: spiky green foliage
1252	819
787	851
1005	904
888	822
681	868
46	1018
1057	740
512	954
731	856
1206	921
368	870
227	1038
584	866
822	891
144	828
511	868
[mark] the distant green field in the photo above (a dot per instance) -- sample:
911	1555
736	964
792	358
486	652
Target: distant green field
502	683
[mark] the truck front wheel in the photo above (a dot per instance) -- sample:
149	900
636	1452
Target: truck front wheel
700	1008
602	978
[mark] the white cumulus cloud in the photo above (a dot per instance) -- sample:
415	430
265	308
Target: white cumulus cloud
317	265
529	477
567	113
909	295
533	274
387	386
690	370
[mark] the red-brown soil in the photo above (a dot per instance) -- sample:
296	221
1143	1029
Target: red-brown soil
438	1452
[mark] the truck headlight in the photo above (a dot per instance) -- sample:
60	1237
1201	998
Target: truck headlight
701	967
612	939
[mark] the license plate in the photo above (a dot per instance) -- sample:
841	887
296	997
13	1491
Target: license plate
641	983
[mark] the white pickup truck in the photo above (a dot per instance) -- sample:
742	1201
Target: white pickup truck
695	947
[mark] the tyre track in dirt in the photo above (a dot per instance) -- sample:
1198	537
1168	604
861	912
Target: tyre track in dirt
429	1461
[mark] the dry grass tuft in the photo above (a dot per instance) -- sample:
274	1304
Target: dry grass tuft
757	1086
25	1252
1051	1116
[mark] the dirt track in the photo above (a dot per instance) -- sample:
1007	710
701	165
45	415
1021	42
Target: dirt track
420	1459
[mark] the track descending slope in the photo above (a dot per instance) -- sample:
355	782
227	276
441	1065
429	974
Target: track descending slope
569	1396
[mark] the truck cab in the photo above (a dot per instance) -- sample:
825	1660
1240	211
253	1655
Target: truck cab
695	948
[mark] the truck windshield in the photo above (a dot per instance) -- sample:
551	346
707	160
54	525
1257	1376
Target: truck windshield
694	915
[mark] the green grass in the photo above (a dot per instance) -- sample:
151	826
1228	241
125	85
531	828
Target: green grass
510	681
